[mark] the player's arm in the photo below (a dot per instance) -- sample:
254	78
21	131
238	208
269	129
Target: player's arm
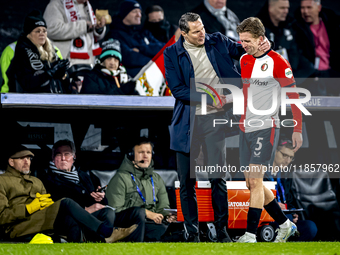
284	74
297	116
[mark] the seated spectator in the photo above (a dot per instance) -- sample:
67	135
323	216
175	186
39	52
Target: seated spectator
74	29
216	17
137	191
26	209
62	179
109	77
157	24
5	61
36	67
281	29
138	45
283	157
317	39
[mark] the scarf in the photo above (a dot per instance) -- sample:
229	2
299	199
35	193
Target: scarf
79	45
71	176
120	73
230	23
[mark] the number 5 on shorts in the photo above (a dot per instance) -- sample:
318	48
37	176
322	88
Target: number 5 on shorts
259	139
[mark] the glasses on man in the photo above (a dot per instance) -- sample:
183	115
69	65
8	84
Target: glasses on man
66	155
286	156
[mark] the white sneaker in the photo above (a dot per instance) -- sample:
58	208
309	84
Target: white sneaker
247	238
284	233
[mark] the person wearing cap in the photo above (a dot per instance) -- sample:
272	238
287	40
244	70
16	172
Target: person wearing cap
109	77
26	208
75	30
138	44
36	68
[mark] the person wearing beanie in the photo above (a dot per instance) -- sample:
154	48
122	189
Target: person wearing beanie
138	46
109	77
130	8
75	30
111	56
36	67
26	208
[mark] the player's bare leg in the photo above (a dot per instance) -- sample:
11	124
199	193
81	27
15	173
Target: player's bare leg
255	185
268	195
254	182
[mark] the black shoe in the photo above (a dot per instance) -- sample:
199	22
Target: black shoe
222	236
192	238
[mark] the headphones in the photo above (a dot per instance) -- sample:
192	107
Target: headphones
131	153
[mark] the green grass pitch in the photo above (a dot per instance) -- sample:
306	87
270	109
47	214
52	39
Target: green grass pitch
295	248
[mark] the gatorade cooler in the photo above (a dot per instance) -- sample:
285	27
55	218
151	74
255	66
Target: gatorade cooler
238	197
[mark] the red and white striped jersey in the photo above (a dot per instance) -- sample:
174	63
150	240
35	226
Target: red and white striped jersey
263	77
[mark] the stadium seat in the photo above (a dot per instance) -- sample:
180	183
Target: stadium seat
313	192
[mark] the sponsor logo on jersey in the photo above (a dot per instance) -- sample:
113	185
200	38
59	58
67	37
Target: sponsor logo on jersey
259	82
254	82
288	73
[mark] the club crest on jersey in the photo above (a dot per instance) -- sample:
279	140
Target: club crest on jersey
264	67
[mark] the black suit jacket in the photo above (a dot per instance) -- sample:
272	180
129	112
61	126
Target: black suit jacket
59	187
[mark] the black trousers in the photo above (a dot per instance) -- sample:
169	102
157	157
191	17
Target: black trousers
146	231
107	216
72	219
212	142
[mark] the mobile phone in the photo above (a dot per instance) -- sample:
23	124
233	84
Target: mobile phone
102	189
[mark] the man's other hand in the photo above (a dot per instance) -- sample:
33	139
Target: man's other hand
156	217
95	207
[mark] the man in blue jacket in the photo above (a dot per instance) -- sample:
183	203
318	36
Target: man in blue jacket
195	57
138	45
